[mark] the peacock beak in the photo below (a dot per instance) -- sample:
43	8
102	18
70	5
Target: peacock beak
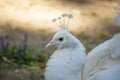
50	44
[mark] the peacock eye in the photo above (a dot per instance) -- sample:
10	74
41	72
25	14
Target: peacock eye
60	39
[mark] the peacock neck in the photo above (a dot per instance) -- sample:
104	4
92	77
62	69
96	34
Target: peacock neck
65	64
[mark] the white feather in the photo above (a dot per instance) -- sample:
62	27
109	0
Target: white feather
65	64
112	73
101	60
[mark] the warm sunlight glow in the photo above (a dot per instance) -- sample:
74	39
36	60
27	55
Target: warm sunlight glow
39	13
26	13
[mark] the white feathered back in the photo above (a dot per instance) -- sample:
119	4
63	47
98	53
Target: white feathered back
102	57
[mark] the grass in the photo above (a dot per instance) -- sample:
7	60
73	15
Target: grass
14	57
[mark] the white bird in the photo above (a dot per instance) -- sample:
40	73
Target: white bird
67	62
103	62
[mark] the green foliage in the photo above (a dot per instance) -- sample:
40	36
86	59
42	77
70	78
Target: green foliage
20	55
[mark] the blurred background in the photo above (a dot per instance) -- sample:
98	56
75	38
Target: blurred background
26	28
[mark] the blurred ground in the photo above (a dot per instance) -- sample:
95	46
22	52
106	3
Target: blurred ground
92	24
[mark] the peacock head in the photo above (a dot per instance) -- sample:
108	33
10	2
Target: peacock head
63	39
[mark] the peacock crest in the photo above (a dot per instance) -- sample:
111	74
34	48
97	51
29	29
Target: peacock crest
63	21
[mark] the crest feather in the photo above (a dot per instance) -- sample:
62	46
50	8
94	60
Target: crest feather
63	21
